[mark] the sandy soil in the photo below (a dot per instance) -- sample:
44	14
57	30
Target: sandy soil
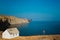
38	37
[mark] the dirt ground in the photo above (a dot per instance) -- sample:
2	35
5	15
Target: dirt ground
38	37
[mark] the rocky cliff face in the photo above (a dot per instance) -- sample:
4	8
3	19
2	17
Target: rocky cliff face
14	20
11	21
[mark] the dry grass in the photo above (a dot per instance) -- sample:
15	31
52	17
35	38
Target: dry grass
41	37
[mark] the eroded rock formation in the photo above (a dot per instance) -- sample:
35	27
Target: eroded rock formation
14	20
11	21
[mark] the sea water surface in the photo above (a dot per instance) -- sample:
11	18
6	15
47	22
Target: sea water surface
40	28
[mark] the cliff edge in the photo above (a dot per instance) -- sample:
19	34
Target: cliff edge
39	37
14	20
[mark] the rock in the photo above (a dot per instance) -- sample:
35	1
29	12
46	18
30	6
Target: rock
14	20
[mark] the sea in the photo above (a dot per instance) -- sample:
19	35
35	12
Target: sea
40	28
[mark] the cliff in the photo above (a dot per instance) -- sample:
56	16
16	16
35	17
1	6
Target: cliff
14	20
41	37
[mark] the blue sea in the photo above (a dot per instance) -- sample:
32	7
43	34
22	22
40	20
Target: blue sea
40	28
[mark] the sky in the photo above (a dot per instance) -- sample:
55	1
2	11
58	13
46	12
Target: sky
37	10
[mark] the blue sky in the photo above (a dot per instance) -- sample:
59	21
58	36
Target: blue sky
37	10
